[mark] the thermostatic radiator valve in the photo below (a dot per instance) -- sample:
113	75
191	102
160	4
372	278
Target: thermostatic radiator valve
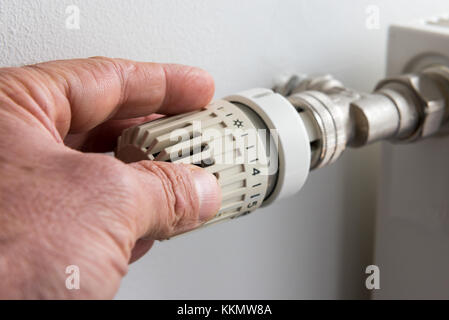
405	108
254	142
261	144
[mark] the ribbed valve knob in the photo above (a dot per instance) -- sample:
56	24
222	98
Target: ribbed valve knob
235	140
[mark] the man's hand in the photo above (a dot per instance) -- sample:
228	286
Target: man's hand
63	204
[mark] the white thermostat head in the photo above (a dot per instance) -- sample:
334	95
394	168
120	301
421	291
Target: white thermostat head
289	131
254	142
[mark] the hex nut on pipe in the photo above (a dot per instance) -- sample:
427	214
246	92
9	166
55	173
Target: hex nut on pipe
430	102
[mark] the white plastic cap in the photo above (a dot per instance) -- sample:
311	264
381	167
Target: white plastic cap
293	141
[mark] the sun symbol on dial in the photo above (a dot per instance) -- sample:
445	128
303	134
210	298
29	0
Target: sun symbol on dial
238	123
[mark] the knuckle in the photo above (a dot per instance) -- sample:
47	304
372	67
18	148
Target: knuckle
94	197
112	187
116	197
105	170
175	194
116	180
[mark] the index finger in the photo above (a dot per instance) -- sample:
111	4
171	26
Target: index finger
78	95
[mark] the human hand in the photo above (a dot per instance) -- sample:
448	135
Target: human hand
60	203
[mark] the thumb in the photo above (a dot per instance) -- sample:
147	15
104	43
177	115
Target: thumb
173	198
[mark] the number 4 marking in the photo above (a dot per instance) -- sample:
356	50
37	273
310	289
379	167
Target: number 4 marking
255	172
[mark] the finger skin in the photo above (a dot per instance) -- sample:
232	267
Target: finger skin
141	247
87	210
170	203
77	95
103	138
60	207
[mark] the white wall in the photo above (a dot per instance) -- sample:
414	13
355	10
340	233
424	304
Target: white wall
315	245
412	240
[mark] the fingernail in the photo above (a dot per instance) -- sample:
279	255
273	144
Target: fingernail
208	191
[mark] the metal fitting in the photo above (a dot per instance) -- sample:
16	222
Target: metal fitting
329	121
324	102
401	109
424	95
